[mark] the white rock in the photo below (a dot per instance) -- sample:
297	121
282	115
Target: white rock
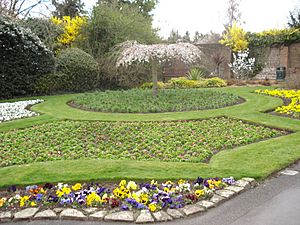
5	216
225	193
144	217
243	183
125	216
98	215
206	204
90	210
47	214
72	214
174	213
26	214
216	199
161	216
192	209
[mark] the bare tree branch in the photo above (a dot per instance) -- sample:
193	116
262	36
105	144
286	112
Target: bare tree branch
15	8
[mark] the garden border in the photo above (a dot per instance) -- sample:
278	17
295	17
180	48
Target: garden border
142	216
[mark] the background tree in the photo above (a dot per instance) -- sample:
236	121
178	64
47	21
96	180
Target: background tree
197	37
156	55
174	36
186	37
70	8
144	6
110	26
18	8
294	20
233	13
44	28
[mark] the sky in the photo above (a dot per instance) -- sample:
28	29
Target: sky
209	15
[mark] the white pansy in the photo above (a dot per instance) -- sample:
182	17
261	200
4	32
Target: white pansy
17	110
133	52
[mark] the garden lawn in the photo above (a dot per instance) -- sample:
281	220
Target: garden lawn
256	160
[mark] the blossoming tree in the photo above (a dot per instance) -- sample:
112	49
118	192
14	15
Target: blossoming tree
156	55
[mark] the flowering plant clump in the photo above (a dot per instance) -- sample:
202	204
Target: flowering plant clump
293	108
133	52
71	28
235	38
151	196
242	65
17	110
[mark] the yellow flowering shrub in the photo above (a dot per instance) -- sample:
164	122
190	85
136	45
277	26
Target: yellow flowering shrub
71	28
235	38
276	32
293	108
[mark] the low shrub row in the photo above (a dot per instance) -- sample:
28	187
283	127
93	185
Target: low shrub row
184	83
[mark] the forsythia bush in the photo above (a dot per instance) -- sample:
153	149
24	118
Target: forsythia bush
235	38
71	28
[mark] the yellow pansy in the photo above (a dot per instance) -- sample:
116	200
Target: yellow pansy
122	183
66	190
181	181
59	193
76	186
131	185
152	207
199	193
2	201
32	204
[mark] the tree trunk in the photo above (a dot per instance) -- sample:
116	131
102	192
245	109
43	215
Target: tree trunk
154	78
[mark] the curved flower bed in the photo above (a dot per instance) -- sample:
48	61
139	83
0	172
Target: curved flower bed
293	108
17	110
142	101
125	196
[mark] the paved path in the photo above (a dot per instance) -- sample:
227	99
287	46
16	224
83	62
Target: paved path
275	202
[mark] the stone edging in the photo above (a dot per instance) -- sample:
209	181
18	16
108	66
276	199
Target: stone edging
143	216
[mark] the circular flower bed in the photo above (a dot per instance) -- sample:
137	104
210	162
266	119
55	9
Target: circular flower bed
142	101
151	196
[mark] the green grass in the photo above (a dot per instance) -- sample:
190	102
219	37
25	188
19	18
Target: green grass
257	160
142	101
186	141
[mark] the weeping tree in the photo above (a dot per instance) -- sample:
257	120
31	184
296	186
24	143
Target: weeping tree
156	55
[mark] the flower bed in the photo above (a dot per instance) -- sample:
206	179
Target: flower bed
17	110
142	101
125	196
177	141
293	108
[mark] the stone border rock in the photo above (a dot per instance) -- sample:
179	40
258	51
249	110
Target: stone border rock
143	216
